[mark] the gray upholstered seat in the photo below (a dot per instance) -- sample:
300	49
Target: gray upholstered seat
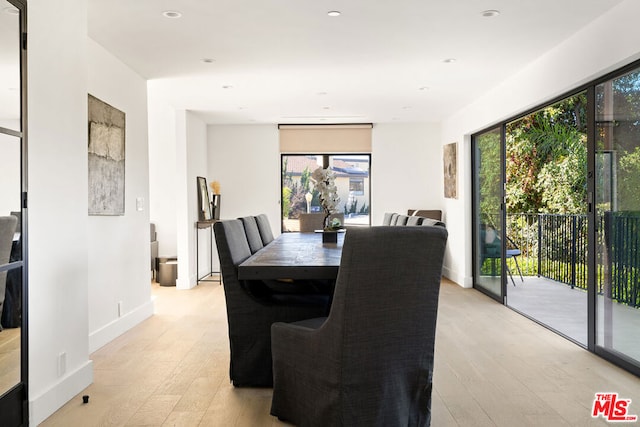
251	309
432	222
387	218
265	229
371	362
402	220
253	233
414	220
7	230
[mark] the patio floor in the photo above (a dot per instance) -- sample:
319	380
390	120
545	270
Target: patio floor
563	309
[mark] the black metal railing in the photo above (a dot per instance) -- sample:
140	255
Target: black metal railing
554	246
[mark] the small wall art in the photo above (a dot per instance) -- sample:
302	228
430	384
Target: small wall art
106	158
450	156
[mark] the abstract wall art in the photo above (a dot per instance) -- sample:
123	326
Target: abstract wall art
106	158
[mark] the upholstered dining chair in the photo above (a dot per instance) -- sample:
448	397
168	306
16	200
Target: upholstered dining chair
251	309
253	233
7	230
370	363
265	229
387	218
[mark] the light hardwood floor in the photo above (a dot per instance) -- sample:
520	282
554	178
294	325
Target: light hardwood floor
493	367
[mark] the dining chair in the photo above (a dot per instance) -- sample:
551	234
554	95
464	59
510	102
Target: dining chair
414	220
7	230
402	219
370	362
251	309
253	233
387	218
265	229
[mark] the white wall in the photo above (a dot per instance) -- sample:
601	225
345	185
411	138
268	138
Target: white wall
118	276
58	221
192	162
246	162
406	169
606	44
163	178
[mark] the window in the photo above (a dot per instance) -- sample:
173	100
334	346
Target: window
300	198
356	186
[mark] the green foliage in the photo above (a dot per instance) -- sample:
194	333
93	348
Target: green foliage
629	180
547	159
286	202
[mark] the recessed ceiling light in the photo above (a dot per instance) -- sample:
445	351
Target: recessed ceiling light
11	10
326	108
423	88
227	87
490	13
449	60
173	14
321	93
333	13
208	60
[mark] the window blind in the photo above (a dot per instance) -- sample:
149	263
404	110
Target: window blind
320	139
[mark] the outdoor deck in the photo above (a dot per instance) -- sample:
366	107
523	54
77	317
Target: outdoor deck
565	310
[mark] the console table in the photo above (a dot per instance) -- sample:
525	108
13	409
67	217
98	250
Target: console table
201	225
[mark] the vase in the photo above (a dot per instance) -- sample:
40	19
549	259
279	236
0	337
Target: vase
329	236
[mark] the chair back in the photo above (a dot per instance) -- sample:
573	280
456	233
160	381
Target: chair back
384	312
233	248
401	220
265	229
253	233
7	229
387	218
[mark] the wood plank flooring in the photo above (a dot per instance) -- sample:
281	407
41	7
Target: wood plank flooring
493	368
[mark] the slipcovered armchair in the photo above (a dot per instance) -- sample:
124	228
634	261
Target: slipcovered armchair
370	363
7	230
251	309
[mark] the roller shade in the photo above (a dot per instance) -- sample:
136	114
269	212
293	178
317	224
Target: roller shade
320	139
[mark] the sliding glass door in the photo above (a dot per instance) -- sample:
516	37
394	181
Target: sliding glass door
618	216
487	225
556	215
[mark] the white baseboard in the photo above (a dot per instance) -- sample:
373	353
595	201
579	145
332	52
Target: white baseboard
45	404
458	279
119	326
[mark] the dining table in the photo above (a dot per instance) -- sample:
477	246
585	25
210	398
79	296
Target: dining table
294	256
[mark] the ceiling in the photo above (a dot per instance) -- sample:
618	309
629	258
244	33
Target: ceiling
287	61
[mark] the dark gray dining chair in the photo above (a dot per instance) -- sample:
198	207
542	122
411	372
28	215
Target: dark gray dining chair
253	233
7	230
370	363
251	309
265	229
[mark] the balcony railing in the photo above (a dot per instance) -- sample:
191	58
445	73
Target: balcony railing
555	246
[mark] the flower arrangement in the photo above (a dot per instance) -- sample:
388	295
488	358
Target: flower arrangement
324	180
215	187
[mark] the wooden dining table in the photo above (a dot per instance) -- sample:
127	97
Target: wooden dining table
294	256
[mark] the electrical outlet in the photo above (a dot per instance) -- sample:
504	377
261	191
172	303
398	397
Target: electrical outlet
62	363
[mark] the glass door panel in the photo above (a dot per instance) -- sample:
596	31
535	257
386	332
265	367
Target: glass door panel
487	224
546	216
618	216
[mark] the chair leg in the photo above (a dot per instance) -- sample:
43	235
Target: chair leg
510	275
515	259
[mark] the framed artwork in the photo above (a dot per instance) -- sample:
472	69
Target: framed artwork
204	206
450	156
106	156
